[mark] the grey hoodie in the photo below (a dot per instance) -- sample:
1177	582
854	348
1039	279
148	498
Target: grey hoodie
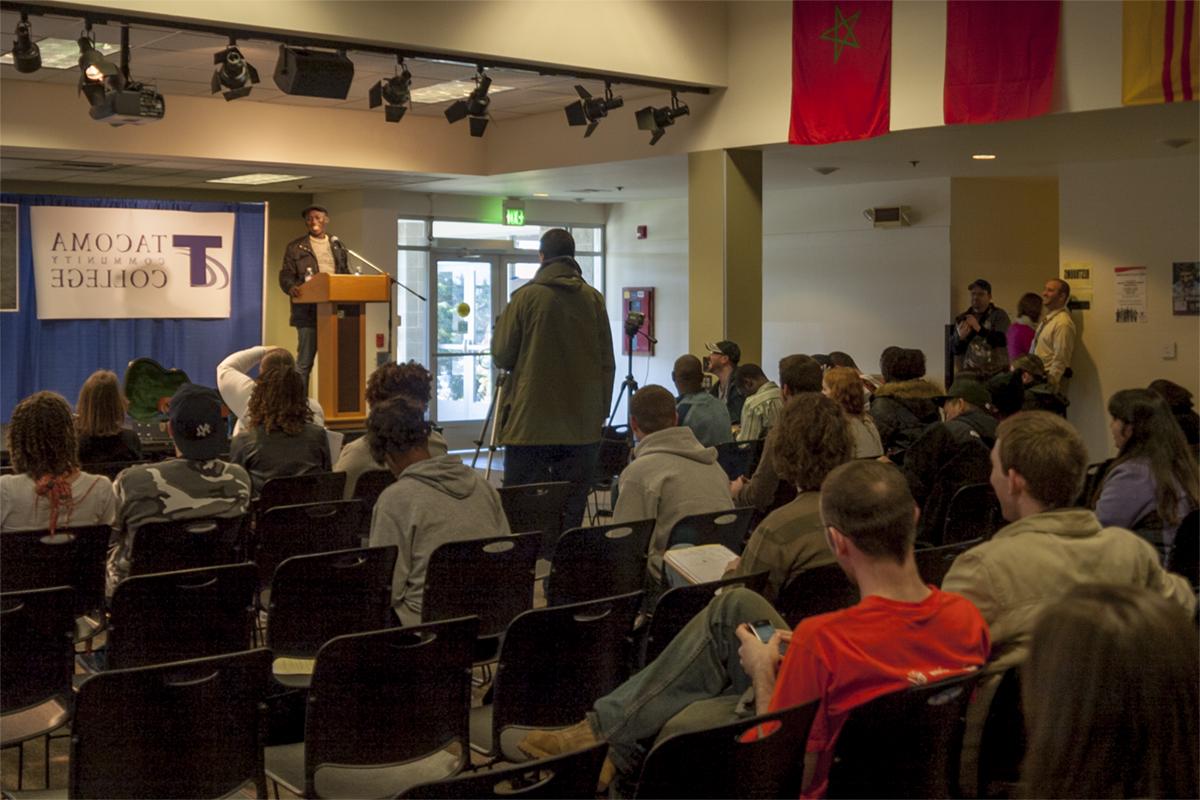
671	477
434	501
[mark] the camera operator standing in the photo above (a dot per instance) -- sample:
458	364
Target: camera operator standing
555	340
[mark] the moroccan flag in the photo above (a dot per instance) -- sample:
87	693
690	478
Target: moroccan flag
1000	58
841	70
1159	58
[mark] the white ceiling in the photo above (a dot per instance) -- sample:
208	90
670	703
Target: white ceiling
181	63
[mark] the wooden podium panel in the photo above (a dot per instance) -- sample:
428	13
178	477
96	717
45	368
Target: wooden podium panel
341	341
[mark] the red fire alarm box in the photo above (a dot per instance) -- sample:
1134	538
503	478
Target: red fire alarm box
640	300
641	231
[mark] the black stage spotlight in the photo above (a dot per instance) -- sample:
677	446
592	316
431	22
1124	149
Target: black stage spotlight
659	119
234	74
394	94
114	96
27	57
588	110
475	106
96	73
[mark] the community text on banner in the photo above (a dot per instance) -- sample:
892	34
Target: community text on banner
1160	59
123	263
1000	59
841	70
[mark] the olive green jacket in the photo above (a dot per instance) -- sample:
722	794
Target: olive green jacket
555	340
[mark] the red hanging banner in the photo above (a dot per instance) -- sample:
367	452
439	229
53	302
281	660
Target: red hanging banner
841	70
1000	59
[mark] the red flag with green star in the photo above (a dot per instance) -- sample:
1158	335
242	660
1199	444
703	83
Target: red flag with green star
841	70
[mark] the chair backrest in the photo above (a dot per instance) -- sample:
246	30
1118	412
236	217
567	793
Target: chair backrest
614	453
816	591
555	662
536	507
317	597
490	578
730	528
71	557
1091	481
186	544
389	696
571	776
370	485
600	561
1002	744
676	608
904	744
739	458
758	757
313	487
1184	557
934	562
174	616
180	730
38	656
974	513
286	531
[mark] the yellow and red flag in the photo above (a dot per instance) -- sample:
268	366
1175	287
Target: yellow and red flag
1160	57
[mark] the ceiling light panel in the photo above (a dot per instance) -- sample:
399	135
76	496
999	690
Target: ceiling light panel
451	90
62	53
257	179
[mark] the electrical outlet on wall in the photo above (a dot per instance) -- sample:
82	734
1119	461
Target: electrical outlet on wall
1169	351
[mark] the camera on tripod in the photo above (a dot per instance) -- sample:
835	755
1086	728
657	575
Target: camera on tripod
633	323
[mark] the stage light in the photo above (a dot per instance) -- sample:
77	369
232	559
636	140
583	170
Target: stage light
96	73
475	106
234	73
114	97
394	94
27	57
588	110
658	120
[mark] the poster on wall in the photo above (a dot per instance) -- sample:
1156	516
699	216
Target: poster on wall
1079	275
131	263
1130	293
1185	288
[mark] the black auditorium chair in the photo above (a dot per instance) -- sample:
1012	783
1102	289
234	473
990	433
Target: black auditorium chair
186	544
974	513
572	776
536	507
71	557
320	527
599	561
739	458
730	528
315	487
676	607
934	562
815	591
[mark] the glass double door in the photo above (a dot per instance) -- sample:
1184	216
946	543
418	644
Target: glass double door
470	293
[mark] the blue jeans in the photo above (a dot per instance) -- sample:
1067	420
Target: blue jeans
700	664
306	351
574	463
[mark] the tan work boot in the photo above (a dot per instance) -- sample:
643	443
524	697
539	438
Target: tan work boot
545	743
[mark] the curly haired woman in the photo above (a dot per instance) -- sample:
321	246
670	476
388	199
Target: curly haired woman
280	438
47	490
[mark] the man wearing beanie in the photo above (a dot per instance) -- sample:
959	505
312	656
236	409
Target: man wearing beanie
194	485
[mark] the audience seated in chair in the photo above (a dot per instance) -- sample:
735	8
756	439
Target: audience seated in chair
903	405
1152	484
717	668
811	438
763	489
672	474
280	438
845	387
763	401
410	380
434	500
99	419
194	485
699	410
1039	395
1111	697
47	490
1179	400
236	386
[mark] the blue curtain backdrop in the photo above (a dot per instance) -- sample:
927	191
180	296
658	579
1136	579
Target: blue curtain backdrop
59	354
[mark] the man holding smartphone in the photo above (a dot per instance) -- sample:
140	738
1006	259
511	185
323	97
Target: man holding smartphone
719	668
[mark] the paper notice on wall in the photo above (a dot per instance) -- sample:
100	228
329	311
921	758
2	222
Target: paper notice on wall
1079	275
1185	288
1130	293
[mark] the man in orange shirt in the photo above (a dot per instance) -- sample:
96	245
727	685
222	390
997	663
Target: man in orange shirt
902	633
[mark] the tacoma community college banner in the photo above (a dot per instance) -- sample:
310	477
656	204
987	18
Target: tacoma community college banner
122	263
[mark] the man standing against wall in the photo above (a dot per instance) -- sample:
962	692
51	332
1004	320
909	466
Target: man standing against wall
555	340
980	333
314	252
1054	341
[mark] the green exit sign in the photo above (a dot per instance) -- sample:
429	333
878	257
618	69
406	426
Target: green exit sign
514	216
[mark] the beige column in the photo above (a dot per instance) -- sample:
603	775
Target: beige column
725	250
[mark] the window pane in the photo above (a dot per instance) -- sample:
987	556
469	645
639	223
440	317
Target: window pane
586	239
411	233
590	266
464	386
459	283
412	335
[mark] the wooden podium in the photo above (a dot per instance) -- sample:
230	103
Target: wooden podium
341	341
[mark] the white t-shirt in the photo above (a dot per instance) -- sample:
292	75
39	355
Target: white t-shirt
323	251
93	502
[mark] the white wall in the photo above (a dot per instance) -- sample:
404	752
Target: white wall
660	260
832	282
1129	213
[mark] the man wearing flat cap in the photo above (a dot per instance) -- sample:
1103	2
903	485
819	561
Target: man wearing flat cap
303	258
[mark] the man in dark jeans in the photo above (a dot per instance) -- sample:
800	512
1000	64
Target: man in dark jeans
555	341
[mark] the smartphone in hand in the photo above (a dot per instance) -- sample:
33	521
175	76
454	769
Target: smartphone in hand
764	630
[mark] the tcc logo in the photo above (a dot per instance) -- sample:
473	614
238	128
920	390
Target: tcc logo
205	270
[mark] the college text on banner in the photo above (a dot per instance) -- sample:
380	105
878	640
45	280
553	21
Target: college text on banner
129	263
